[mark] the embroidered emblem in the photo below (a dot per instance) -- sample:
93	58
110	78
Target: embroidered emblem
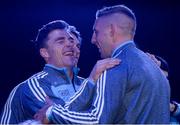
63	91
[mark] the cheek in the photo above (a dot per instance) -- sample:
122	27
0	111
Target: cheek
103	41
78	54
103	36
77	51
57	54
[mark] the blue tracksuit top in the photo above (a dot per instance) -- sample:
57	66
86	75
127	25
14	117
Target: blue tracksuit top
29	96
136	91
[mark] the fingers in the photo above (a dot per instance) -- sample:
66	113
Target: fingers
114	62
107	63
41	113
154	59
104	64
101	66
108	60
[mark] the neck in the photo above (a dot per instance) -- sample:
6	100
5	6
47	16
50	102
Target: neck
120	41
70	72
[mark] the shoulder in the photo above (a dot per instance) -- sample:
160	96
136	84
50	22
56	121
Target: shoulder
133	61
135	58
32	87
32	80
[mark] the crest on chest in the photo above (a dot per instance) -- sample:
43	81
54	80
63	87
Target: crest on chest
63	91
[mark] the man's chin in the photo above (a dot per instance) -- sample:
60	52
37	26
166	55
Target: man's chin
103	56
72	65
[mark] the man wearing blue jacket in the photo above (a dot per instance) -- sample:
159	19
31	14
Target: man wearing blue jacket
59	45
174	106
134	92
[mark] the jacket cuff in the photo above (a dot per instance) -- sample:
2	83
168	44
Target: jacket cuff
48	113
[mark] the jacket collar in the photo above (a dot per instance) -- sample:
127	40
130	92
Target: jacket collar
121	47
61	71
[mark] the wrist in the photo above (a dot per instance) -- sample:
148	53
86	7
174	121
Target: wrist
48	113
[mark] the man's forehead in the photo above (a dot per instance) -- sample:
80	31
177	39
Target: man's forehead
98	22
58	32
95	25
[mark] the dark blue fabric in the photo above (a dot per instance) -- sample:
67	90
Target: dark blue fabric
136	91
28	97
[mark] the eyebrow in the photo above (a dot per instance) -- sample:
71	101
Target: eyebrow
59	38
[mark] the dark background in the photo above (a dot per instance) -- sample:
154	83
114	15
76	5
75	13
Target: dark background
158	30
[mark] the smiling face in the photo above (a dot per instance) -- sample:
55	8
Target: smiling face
59	50
102	37
76	49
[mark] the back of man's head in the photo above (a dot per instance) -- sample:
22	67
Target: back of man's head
119	9
46	29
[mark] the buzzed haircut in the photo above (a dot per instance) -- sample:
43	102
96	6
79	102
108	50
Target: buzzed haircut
122	9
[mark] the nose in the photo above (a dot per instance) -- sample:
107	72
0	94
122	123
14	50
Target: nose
93	39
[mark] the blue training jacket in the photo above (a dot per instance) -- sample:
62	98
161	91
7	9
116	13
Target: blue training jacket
136	91
28	97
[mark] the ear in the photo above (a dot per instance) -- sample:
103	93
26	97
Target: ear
44	53
112	32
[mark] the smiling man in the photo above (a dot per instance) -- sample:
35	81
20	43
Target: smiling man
134	92
59	45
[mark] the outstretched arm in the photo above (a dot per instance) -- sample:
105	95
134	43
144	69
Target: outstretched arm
67	114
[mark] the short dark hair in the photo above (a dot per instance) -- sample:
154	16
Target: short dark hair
46	29
77	34
117	9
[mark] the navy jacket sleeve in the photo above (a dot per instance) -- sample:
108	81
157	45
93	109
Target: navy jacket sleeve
83	102
9	113
23	102
76	110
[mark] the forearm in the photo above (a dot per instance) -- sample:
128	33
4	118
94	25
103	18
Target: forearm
82	98
60	114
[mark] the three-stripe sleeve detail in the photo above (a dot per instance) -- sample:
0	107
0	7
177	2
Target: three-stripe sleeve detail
34	87
92	116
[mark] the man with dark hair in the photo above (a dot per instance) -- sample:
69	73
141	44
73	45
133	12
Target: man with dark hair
175	112
135	92
59	45
174	106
